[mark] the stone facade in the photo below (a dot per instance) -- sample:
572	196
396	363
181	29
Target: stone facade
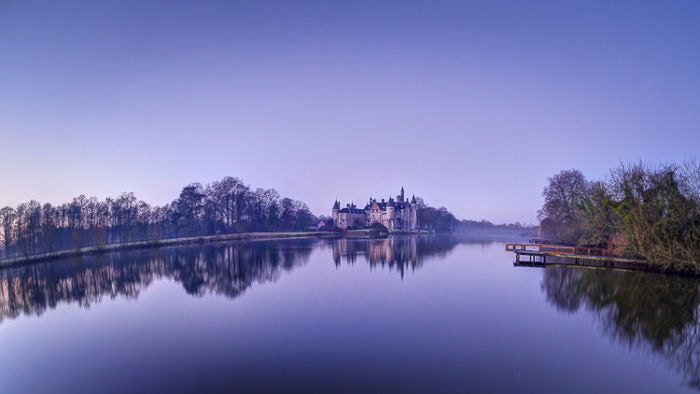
398	214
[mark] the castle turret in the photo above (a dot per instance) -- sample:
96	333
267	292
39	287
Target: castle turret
390	214
414	213
334	212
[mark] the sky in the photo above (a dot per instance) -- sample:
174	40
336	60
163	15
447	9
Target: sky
471	105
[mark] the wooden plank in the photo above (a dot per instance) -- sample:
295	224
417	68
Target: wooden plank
580	256
511	247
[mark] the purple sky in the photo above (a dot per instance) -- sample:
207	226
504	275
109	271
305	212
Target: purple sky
471	106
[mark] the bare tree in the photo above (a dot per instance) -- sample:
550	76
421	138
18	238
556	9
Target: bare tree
227	205
7	224
562	196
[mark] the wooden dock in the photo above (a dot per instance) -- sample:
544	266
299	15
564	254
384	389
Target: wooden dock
537	254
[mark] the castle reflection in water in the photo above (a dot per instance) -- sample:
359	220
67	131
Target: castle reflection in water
397	253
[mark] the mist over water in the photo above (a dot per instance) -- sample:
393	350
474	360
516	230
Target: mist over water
409	314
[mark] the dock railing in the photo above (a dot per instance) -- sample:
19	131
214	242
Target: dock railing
559	249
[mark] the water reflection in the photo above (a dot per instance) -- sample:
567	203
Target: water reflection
397	253
640	310
223	269
226	269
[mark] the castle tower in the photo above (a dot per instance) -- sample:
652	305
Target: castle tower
390	214
414	213
334	211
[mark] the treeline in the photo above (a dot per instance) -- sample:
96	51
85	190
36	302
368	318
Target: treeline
224	206
431	218
637	211
484	224
442	219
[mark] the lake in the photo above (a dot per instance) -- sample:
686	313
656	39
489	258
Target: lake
403	314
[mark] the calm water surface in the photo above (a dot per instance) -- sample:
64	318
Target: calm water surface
406	314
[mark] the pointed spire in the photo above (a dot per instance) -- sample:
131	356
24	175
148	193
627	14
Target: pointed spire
401	191
413	199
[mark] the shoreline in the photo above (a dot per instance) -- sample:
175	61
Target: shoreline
603	262
260	236
88	250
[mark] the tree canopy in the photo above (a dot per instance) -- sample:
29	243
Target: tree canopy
638	211
223	206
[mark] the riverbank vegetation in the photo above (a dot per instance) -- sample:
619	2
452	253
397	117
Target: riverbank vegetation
225	206
638	211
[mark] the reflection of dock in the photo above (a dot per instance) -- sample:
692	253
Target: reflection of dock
545	255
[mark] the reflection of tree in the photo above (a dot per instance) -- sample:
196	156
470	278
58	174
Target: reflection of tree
640	310
399	252
226	269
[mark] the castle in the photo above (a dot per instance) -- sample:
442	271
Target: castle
394	215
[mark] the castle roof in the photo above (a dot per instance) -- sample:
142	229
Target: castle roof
381	205
399	204
352	210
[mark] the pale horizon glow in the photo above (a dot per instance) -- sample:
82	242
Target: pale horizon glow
470	106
